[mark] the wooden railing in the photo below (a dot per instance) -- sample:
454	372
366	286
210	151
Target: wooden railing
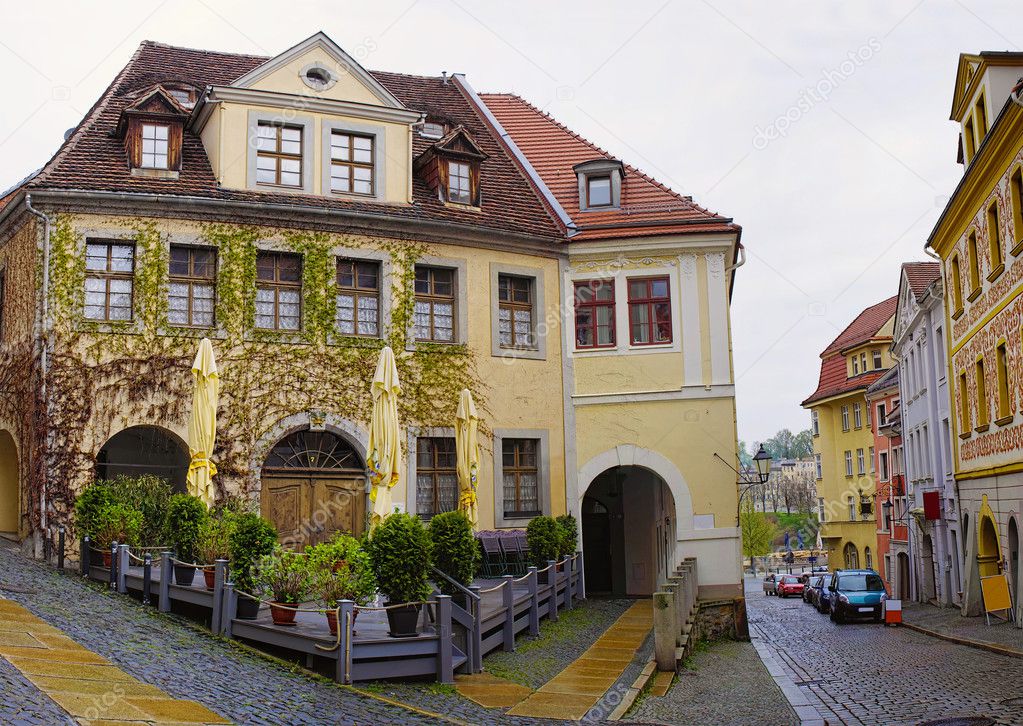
674	615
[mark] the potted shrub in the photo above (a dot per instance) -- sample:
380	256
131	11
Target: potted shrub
251	538
341	570
150	495
215	543
455	552
283	577
186	517
543	536
115	522
399	548
88	505
569	541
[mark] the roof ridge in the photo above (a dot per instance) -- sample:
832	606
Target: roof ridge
171	46
831	346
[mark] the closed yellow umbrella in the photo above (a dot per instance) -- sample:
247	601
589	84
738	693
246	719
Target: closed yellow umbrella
384	444
202	428
467	453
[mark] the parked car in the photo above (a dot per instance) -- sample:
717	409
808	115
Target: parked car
770	581
805	577
789	585
820	596
808	588
857	594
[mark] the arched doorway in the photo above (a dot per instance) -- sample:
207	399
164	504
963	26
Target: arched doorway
851	556
628	524
10	491
1014	559
903	576
987	547
927	564
314	484
142	450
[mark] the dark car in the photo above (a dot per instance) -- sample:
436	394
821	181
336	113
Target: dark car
808	587
820	596
856	594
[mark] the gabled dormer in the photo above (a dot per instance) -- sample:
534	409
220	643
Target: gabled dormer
600	184
983	84
151	129
451	167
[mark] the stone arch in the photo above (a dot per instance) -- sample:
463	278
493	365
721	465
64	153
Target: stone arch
347	429
144	449
631	455
989	551
10	486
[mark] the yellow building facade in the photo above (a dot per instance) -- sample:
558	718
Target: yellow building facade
843	441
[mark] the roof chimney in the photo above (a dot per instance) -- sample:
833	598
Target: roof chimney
444	76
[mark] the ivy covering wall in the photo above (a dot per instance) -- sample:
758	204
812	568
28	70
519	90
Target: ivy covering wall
104	376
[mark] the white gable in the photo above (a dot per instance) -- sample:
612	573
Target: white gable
346	79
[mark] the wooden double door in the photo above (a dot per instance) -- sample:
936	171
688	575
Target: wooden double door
308	508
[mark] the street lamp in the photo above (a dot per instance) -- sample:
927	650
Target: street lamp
746	481
763	462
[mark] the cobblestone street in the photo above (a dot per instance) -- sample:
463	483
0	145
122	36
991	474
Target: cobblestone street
864	673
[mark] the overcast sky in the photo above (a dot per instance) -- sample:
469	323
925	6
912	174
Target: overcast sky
821	127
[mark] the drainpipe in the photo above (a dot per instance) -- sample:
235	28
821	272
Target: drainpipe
741	261
43	354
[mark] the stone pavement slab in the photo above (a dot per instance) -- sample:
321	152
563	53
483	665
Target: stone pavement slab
490	691
949	622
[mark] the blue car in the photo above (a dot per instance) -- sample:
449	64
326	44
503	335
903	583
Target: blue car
856	594
821	596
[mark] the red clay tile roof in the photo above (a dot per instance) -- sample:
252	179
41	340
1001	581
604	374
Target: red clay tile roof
91	159
921	275
647	206
834	378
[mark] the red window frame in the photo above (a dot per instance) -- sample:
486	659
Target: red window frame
650	302
592	306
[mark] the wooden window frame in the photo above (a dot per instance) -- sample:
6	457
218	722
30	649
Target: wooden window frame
610	191
973	254
456	165
108	275
649	301
351	164
277	155
512	306
277	285
518	471
983	411
191	280
593	305
432	298
358	293
434	471
1016	198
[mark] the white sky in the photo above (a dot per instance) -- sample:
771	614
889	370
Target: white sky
678	88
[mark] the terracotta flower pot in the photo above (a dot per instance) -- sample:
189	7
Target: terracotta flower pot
282	613
107	557
209	574
332	620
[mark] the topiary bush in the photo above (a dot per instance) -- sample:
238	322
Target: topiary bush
455	552
88	507
544	537
569	534
186	519
399	548
251	539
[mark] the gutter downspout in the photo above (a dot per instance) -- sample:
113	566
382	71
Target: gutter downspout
43	353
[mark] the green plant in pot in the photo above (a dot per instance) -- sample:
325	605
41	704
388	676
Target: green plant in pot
150	495
251	538
215	543
341	569
115	522
455	551
400	550
88	505
186	518
544	536
283	577
569	540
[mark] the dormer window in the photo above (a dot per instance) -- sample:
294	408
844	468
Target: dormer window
351	163
184	96
279	155
154	146
432	130
451	167
459	189
600	184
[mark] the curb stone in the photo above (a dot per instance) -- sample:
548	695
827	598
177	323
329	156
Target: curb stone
805	711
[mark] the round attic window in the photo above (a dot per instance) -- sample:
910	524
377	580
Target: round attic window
317	77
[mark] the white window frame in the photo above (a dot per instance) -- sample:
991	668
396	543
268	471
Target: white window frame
848	462
158	143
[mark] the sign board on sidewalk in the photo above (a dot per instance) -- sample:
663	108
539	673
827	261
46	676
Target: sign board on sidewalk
995	589
892	612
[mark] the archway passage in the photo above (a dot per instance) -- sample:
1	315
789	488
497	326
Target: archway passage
987	548
10	493
313	485
628	524
142	450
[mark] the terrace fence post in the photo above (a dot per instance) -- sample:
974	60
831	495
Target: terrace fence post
113	565
84	555
445	671
165	573
552	579
345	619
477	629
568	582
664	640
122	568
230	606
534	603
219	577
147	578
509	614
677	585
60	548
581	564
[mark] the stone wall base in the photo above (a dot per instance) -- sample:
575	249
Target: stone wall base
724	618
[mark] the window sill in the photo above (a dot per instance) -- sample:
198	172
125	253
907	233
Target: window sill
957	314
995	273
155	173
523	353
1004	420
973	295
463	207
965	435
982	428
651	346
1015	251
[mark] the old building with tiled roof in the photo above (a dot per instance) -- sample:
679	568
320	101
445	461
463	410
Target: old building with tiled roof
843	440
302	212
